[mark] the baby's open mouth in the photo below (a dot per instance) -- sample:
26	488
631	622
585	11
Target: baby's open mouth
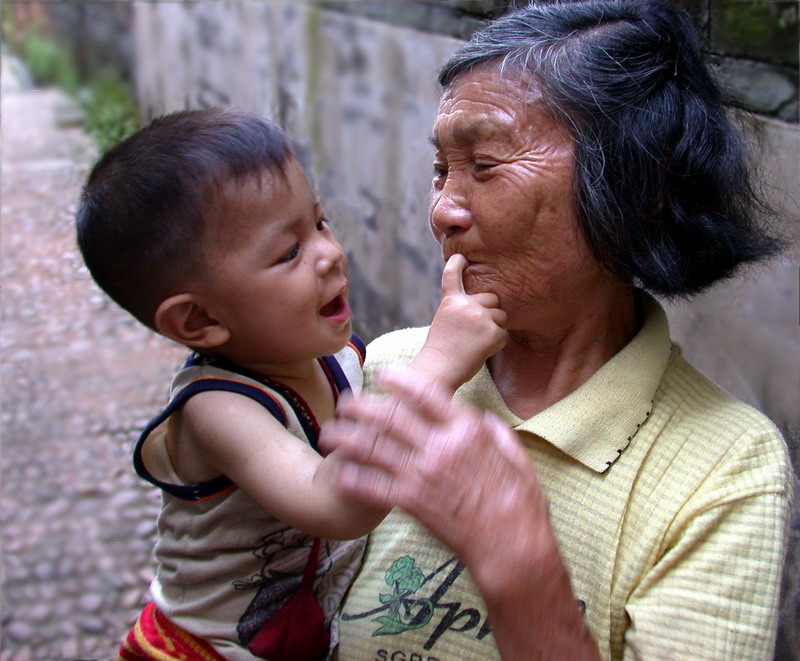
333	308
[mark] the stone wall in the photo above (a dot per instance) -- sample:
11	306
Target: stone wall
357	95
755	46
752	43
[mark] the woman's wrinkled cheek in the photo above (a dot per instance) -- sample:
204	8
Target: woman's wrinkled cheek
489	280
516	282
479	279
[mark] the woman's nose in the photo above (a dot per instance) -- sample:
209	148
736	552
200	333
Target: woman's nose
449	210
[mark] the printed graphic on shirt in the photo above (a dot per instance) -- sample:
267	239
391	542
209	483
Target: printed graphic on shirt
417	601
278	579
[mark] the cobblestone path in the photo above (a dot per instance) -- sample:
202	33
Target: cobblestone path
78	378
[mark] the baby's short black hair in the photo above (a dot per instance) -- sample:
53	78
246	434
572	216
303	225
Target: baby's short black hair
140	216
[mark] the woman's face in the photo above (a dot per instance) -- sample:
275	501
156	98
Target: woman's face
502	194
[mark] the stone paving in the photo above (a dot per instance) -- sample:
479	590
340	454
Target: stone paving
79	381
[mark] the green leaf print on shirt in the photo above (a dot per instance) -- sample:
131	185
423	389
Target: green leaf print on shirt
405	578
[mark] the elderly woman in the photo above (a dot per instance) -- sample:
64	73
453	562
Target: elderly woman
587	494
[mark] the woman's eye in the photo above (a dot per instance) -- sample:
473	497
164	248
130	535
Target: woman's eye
289	256
323	223
483	167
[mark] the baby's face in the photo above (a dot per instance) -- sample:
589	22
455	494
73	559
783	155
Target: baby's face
277	277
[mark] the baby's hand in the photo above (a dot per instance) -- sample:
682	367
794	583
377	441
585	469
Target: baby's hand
466	330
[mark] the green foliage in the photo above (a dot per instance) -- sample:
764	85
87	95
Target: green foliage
111	113
749	22
48	63
9	25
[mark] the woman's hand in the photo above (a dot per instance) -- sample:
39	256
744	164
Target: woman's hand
464	475
457	470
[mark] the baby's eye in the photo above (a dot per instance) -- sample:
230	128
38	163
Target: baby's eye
323	223
289	256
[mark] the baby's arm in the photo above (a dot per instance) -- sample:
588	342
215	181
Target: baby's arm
220	432
466	330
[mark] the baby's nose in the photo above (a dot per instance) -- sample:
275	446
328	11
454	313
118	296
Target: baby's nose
329	259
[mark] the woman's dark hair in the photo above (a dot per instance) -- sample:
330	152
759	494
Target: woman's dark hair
140	216
662	179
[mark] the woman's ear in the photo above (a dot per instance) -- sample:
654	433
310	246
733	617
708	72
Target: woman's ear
184	319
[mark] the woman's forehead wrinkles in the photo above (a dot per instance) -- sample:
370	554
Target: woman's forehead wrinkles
466	131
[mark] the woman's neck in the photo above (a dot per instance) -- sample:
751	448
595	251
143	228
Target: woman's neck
544	364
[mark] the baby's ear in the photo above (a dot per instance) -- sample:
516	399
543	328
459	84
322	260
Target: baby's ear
184	319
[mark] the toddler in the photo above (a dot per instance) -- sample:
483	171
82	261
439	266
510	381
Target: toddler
204	227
